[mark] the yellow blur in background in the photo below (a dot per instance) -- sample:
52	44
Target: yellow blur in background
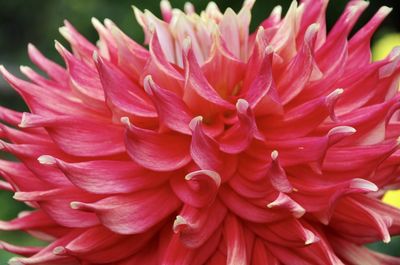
384	45
380	50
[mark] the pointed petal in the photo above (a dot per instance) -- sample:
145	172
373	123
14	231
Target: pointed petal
75	136
106	176
198	188
133	213
172	111
156	151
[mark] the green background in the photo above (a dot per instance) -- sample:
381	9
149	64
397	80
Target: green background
24	21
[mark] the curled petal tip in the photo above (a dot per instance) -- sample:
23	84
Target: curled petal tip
179	223
19	196
363	184
337	92
125	120
195	122
47	160
313	29
24	121
274	155
342	129
242	105
311	238
214	176
148	84
60	250
387	239
357	6
75	205
385	10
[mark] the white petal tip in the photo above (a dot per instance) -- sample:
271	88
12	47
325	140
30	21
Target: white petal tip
15	261
277	10
64	32
59	250
385	10
95	56
311	240
47	160
24	68
148	84
313	28
125	120
165	5
242	105
195	122
274	155
338	91
187	44
310	237
95	21
75	205
387	240
178	223
342	129
214	176
189	8
249	3
363	184
18	196
24	121
2	144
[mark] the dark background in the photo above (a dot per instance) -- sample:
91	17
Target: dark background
24	21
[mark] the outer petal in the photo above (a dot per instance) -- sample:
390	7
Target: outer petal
107	176
134	213
75	136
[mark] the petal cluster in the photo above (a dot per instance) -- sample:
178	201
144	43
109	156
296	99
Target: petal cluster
209	145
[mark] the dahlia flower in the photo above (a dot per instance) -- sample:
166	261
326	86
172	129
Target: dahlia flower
213	145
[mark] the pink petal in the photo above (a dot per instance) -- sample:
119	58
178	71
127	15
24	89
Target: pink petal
53	70
106	176
75	136
134	213
195	226
154	151
238	137
198	188
172	111
236	248
121	92
198	91
56	203
24	251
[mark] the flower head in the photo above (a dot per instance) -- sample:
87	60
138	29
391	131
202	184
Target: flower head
213	146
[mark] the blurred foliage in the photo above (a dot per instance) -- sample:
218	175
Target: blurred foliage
24	21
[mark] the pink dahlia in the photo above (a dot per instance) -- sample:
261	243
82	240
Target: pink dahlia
212	146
